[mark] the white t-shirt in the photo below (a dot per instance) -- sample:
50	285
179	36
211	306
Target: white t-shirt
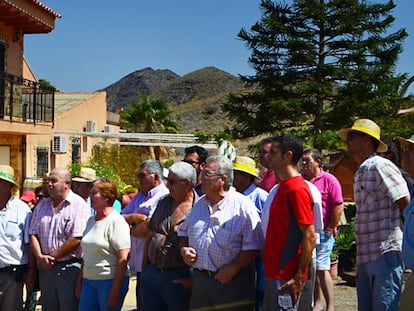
100	243
317	209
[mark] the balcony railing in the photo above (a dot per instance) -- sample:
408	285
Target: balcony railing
25	100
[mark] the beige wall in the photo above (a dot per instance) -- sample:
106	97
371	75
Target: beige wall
75	120
14	50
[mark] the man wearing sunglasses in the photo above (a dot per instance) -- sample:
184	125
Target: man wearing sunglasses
380	195
196	156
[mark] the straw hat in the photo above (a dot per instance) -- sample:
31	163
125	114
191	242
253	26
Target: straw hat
368	127
86	174
245	165
405	140
7	174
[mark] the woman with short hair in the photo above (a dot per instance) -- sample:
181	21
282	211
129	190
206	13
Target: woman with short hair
103	282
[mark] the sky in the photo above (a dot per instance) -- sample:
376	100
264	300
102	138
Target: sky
97	42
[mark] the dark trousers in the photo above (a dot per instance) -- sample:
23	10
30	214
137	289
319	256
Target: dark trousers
239	294
137	290
159	291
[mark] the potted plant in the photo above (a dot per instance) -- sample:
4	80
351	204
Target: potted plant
334	263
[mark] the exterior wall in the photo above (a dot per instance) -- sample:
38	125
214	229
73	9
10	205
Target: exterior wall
344	169
27	71
14	50
16	144
75	120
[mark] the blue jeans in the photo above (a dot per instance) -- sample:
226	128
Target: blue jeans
278	300
159	292
259	283
379	283
94	295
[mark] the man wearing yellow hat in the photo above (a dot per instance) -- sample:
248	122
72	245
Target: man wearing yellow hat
244	169
380	194
14	240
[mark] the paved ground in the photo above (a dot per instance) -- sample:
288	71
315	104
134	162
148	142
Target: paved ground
345	296
130	301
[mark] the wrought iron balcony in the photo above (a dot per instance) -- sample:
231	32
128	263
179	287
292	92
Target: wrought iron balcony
24	100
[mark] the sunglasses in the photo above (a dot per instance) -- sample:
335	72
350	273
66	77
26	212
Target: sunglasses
352	135
172	182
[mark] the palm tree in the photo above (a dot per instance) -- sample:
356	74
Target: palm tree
150	115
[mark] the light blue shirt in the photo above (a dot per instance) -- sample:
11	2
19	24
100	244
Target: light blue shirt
142	204
408	235
14	232
257	195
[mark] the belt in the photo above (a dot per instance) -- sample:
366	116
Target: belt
163	269
166	269
206	272
69	261
13	268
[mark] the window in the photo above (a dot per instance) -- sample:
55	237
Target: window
42	160
76	144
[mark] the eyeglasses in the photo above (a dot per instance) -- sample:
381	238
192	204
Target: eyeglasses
351	135
210	174
191	162
143	174
172	182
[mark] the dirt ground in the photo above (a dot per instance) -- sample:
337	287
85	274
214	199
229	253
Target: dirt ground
345	296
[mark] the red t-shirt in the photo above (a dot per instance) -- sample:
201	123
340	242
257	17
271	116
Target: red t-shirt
291	206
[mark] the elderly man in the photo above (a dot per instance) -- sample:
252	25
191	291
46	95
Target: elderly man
224	238
140	209
332	207
14	240
289	227
196	156
244	181
56	231
407	297
380	194
82	183
166	279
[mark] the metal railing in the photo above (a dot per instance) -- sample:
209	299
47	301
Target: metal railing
25	100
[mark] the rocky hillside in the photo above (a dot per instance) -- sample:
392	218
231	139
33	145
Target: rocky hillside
195	98
143	81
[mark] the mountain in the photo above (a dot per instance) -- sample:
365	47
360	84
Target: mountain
133	85
194	98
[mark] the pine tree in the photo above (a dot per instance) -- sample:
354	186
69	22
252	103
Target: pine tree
318	65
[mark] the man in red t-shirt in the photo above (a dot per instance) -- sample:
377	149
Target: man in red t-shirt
290	234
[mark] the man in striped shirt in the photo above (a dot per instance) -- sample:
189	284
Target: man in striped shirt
380	194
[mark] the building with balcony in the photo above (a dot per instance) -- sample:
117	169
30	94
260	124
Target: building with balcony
26	108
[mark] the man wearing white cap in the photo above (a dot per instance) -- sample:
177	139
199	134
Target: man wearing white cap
14	239
380	194
82	183
244	169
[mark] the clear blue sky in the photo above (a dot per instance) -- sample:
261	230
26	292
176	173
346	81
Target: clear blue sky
96	43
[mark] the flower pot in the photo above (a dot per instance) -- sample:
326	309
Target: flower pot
334	269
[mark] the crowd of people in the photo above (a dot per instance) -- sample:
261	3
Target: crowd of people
213	234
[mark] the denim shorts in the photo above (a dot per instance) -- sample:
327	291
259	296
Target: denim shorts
324	250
